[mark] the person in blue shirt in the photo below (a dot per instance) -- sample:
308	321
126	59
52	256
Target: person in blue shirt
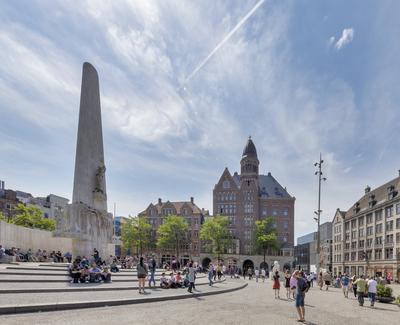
94	273
345	281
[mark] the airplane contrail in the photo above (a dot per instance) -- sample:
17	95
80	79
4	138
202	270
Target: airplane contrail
224	40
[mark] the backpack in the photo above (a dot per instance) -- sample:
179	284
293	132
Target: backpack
303	286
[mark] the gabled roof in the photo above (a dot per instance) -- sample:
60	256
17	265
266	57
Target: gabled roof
226	175
176	205
236	179
270	187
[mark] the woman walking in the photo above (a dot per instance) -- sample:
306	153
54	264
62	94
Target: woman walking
277	285
293	283
142	271
287	284
354	285
210	274
191	276
320	281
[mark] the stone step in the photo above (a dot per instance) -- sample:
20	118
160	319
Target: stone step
65	285
56	269
55	265
62	278
64	273
79	287
17	303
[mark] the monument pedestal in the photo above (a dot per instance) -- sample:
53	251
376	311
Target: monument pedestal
89	228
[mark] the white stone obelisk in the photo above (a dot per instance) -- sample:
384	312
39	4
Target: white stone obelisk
89	180
86	219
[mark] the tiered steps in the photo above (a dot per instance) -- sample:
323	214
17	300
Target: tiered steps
31	287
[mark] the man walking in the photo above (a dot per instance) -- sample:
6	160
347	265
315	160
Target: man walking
300	295
361	289
344	281
152	267
372	290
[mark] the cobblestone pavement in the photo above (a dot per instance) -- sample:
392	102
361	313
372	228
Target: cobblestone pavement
252	305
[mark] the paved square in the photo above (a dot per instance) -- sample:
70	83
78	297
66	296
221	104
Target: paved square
253	305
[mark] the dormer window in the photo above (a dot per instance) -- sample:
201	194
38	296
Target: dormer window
356	208
372	201
226	184
392	193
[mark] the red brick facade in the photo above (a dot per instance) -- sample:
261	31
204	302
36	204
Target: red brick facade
250	196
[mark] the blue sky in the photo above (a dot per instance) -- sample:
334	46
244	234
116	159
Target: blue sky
300	77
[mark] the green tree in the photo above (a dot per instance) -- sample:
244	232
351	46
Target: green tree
215	232
172	234
136	232
266	237
2	217
32	217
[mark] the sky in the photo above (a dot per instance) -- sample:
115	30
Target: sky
301	77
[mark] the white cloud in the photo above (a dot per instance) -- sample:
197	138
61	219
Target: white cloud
346	38
179	140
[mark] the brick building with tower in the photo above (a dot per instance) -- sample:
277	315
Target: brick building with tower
250	196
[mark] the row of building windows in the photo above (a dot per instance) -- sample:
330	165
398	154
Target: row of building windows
249	208
367	255
389	239
275	211
226	209
389	212
190	221
226	196
169	211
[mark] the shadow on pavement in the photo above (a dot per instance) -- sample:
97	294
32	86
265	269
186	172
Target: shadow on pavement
385	309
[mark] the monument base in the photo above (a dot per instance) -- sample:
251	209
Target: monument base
85	248
88	228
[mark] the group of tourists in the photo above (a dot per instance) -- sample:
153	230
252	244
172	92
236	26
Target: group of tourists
296	285
92	270
41	255
360	286
177	279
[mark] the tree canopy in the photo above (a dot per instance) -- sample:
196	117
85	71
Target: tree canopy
136	233
32	217
266	237
215	232
172	234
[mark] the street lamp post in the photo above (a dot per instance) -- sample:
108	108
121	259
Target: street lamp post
318	212
398	267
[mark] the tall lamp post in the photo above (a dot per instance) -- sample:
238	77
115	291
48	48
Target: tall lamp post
398	267
318	212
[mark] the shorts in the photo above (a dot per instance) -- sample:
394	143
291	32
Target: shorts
345	287
299	300
142	276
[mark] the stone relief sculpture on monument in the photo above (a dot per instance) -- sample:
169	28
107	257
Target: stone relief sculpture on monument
100	179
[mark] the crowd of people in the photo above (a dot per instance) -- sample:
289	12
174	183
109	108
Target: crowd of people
298	283
41	255
177	277
93	269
